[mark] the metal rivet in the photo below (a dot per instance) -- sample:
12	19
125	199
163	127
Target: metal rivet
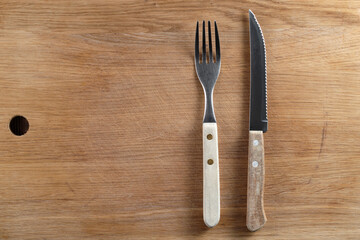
209	137
255	142
210	162
255	164
19	125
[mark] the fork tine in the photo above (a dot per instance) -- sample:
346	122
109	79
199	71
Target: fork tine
210	43
197	60
217	43
203	45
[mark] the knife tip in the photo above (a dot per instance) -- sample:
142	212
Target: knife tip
251	14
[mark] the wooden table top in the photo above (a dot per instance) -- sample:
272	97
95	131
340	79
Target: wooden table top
114	148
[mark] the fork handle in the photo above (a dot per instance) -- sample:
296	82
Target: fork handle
211	191
255	217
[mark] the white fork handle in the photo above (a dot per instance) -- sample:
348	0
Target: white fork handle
211	198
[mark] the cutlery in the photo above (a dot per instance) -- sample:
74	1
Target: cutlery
255	217
208	72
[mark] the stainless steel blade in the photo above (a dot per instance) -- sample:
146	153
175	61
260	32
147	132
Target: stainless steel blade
258	93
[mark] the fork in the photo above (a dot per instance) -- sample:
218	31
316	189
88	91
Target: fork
208	72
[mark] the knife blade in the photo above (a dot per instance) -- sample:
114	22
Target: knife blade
255	217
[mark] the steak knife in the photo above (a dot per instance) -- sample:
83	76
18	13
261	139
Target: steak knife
255	216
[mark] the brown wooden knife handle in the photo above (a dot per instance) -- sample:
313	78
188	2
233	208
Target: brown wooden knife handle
255	217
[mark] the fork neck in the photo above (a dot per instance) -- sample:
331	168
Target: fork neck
209	115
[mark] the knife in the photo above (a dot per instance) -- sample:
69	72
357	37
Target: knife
255	216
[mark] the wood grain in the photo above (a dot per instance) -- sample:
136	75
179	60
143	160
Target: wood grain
211	178
255	212
114	148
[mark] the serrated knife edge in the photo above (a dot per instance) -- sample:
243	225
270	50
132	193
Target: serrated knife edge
263	39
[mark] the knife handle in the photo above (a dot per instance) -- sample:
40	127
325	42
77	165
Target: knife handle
255	217
211	186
